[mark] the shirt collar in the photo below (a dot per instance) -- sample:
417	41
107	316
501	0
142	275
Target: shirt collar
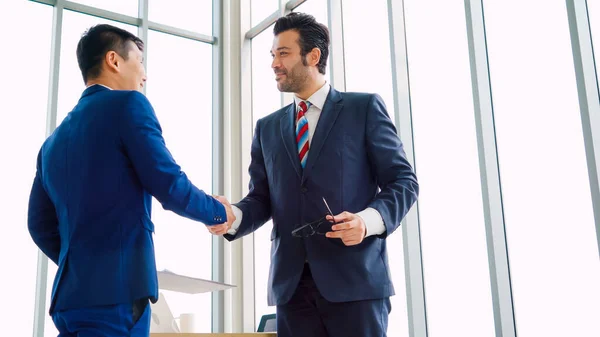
107	87
318	98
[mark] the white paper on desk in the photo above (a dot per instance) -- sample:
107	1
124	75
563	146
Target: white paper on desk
168	280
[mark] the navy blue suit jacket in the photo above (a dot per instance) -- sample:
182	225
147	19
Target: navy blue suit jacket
355	161
90	204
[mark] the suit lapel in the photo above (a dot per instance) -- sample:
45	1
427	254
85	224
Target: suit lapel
288	135
329	114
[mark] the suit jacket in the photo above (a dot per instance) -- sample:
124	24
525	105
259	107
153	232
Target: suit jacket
355	161
90	204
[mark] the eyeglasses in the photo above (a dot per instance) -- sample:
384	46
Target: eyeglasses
320	226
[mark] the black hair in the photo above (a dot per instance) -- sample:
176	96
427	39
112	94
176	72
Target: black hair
312	35
99	40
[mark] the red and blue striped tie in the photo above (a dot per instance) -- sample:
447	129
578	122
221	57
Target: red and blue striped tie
302	132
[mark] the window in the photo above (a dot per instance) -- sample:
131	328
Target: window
191	15
23	102
594	16
266	99
455	260
261	9
181	94
70	85
367	49
368	69
127	7
545	186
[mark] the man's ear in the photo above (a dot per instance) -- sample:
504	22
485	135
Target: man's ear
314	56
112	61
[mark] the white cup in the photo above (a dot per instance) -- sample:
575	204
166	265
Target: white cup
187	323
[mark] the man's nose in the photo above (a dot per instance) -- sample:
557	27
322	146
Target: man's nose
275	63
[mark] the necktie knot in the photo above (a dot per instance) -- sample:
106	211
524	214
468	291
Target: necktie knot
302	108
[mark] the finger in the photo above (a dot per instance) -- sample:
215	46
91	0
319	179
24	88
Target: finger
348	235
342	217
221	232
217	228
345	225
341	234
222	229
335	235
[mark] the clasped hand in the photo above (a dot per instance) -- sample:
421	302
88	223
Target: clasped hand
224	227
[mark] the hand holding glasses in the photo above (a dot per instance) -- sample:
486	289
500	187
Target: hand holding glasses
320	226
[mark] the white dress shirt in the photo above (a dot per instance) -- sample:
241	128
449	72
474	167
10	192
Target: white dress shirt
99	84
371	217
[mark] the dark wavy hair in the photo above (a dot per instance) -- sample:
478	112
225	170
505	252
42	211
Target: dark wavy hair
312	35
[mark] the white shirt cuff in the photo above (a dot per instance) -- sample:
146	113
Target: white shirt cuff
238	220
373	221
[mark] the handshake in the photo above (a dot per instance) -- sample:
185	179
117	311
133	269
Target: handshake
224	227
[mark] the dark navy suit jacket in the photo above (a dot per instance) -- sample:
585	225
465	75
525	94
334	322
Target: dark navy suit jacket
90	204
355	161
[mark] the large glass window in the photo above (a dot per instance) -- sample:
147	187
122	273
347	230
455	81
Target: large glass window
545	185
181	94
127	7
261	9
191	15
23	106
367	49
594	16
368	69
266	99
455	260
70	80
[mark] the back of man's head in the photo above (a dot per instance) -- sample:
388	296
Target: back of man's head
99	40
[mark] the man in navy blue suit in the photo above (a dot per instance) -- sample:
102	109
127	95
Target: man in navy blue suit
328	157
90	204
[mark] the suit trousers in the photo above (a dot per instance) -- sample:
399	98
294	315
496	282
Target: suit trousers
309	314
119	320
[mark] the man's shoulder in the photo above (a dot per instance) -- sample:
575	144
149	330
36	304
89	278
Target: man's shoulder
124	101
357	96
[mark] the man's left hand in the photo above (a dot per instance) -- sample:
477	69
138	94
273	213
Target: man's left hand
349	227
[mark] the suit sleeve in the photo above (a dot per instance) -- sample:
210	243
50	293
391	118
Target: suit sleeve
42	221
256	206
160	175
395	176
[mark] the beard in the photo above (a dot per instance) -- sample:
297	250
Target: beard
295	79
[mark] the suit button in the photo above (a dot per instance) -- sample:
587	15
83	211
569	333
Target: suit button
303	189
